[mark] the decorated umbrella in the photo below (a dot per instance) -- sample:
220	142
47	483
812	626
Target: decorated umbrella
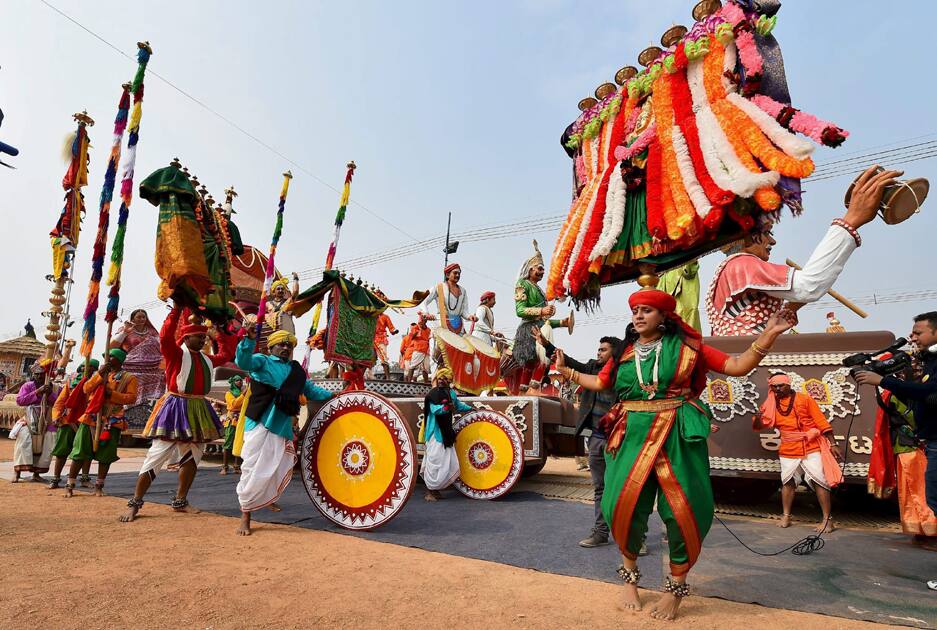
707	161
333	247
352	318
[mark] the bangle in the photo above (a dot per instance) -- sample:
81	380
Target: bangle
762	352
853	232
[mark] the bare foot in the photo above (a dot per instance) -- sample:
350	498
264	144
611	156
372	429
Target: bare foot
85	483
69	491
244	529
632	600
223	471
275	507
431	496
15	480
99	491
785	521
130	516
825	526
666	608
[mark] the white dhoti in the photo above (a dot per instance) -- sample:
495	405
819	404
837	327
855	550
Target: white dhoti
267	461
440	467
809	469
22	448
42	461
164	452
419	360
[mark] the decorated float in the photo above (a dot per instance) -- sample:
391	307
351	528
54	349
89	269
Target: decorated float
693	152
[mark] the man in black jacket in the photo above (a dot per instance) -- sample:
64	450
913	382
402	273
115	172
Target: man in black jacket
592	406
921	396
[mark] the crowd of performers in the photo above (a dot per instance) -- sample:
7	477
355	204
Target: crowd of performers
640	397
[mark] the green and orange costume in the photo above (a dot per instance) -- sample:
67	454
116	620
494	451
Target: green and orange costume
657	447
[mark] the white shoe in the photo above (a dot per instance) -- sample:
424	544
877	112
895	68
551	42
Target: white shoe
932	585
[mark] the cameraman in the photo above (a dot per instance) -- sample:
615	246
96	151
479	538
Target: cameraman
921	396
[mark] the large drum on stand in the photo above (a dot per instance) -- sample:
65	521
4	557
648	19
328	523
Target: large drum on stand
491	454
474	363
358	460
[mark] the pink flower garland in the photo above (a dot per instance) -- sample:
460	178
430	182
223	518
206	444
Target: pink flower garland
819	130
640	143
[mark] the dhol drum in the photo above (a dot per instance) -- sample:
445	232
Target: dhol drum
358	460
491	454
473	370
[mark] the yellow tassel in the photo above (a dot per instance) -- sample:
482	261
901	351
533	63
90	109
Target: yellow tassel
112	272
286	187
58	258
346	191
135	116
239	433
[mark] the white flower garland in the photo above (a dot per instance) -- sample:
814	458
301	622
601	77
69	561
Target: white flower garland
685	163
728	65
784	139
723	164
583	228
614	219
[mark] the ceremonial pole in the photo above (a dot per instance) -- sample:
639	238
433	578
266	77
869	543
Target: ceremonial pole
64	239
126	189
330	257
100	240
271	267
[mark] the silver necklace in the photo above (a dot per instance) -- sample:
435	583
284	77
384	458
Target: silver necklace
643	351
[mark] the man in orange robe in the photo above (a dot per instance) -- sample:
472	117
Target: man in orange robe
382	332
415	349
807	446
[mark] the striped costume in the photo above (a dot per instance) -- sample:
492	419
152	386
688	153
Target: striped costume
183	417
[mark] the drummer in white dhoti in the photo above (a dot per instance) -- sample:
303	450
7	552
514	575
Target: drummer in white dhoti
440	466
268	454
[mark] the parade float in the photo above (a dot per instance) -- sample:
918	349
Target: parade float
694	152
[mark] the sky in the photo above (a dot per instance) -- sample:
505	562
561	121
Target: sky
445	107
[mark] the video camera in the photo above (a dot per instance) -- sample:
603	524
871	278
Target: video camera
866	361
6	148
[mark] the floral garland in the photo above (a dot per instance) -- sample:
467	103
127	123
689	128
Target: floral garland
680	214
614	219
596	221
821	131
786	141
656	225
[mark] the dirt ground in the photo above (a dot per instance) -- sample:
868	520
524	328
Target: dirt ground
70	564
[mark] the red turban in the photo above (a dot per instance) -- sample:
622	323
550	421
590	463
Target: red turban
193	329
666	304
486	296
450	267
660	300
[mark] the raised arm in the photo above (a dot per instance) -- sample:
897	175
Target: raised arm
742	364
226	349
245	358
167	335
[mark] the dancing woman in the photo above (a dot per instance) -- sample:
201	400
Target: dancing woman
657	434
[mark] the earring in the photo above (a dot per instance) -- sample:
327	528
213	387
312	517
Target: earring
661	327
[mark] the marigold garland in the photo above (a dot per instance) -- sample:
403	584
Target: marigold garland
759	146
680	211
656	225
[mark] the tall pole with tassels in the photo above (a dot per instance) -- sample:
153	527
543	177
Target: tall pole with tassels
271	266
100	240
330	256
126	188
64	241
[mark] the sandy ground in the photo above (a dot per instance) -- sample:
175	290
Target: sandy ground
77	567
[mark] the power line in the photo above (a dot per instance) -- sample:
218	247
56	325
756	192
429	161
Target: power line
227	120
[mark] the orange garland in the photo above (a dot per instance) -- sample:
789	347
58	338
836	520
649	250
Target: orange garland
681	208
766	198
759	145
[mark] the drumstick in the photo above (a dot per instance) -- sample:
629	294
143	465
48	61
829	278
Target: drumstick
835	295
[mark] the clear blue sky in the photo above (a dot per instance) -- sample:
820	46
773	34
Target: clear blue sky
444	107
